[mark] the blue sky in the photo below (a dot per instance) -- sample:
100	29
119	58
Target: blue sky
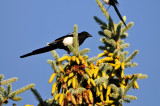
26	25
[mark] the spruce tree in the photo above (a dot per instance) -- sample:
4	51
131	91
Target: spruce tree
78	80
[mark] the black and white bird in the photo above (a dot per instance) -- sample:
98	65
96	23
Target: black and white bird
114	3
60	43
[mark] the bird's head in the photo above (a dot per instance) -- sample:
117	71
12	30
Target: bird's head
86	34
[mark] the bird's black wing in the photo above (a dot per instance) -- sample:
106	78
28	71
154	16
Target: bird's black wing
61	38
117	11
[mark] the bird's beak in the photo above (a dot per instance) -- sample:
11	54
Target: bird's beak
89	35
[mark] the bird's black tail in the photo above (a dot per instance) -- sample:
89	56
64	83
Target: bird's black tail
41	50
117	11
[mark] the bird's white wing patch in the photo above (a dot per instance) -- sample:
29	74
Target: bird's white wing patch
68	41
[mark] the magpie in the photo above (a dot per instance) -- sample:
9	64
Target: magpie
114	3
60	43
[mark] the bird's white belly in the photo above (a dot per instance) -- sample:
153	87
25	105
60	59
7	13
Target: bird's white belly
68	41
106	1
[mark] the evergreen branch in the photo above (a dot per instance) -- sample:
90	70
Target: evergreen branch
101	33
50	101
128	75
16	98
125	45
131	56
1	77
9	89
75	38
72	49
64	65
5	93
103	40
12	95
115	89
103	9
115	53
65	55
109	41
118	32
1	97
11	80
124	35
101	66
108	33
105	66
55	55
91	60
125	53
84	51
130	97
121	92
111	24
120	41
2	89
53	65
38	96
86	76
110	49
130	84
2	93
129	64
129	25
24	89
4	101
140	76
101	80
102	24
102	47
76	91
124	100
122	57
